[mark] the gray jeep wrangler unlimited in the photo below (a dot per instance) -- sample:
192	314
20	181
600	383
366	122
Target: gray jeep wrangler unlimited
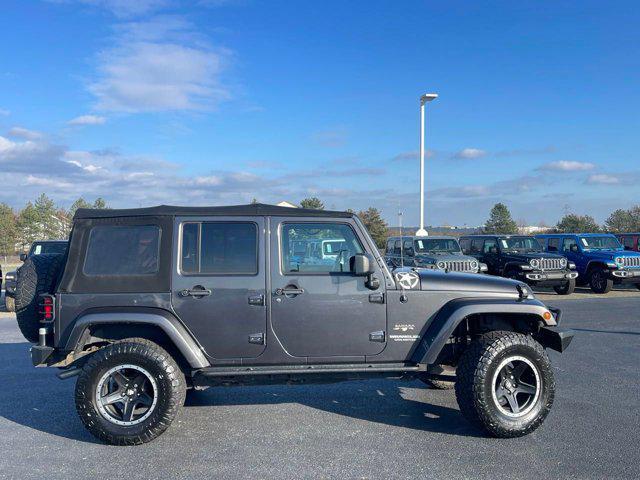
150	302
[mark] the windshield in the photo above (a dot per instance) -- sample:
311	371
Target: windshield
601	243
520	244
448	245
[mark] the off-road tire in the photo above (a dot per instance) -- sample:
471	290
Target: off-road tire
599	282
567	289
155	360
9	304
38	275
474	385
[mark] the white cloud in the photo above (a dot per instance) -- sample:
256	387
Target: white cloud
19	132
122	8
46	182
87	120
567	166
602	179
469	154
162	64
5	112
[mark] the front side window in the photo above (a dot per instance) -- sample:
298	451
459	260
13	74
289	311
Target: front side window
123	250
390	246
567	243
489	244
476	245
465	243
337	241
219	248
438	245
554	243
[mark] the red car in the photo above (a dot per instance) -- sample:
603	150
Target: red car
629	240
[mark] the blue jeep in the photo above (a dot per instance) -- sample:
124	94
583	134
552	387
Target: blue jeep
600	258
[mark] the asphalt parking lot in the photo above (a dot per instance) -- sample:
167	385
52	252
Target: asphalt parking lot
375	429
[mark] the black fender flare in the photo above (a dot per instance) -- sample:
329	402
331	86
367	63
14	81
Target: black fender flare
176	332
455	311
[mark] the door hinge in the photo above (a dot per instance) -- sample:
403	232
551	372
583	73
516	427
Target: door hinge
378	336
257	300
256	338
376	298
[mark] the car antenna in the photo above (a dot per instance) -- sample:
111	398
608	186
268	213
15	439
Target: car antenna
401	238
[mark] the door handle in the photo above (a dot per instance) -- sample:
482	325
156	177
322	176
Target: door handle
195	292
289	291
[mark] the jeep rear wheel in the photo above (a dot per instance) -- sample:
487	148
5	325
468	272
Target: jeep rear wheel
600	281
129	392
567	289
505	384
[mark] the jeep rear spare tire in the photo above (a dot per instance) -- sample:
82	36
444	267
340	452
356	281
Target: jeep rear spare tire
38	275
505	384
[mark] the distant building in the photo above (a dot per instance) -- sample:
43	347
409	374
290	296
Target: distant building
531	229
284	203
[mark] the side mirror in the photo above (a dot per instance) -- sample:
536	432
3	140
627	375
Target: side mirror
493	249
573	248
360	265
23	257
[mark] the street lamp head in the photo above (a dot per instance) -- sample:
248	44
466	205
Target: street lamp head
427	97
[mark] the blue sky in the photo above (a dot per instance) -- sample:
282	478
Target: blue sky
221	101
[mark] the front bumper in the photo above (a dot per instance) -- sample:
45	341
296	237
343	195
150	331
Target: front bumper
624	276
557	339
549	278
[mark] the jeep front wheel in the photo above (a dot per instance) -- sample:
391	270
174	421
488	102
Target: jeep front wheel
567	288
129	392
600	281
505	384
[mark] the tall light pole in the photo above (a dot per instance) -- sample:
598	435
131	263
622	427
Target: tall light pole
427	97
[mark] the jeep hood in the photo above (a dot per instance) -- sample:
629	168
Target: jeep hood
439	281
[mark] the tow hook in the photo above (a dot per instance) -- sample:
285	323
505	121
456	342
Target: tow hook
72	372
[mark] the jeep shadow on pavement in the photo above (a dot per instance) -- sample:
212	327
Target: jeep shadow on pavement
521	257
441	253
150	302
599	257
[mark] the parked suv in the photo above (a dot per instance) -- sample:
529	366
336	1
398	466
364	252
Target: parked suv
442	253
521	257
600	258
58	247
630	241
150	302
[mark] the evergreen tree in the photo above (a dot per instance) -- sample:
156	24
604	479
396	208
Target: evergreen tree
378	228
624	220
500	221
8	230
573	223
313	203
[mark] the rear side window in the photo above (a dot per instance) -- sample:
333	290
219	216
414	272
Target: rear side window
465	243
219	248
567	243
122	250
553	245
476	245
390	246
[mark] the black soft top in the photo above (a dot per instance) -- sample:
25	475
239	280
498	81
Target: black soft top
253	209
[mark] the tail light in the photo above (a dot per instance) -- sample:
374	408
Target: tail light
47	308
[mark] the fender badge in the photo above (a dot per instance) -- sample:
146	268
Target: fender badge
408	280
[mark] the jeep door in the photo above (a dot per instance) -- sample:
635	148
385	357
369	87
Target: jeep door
219	282
318	308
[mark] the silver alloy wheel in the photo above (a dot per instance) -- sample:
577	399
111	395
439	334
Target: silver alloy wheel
516	386
126	395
